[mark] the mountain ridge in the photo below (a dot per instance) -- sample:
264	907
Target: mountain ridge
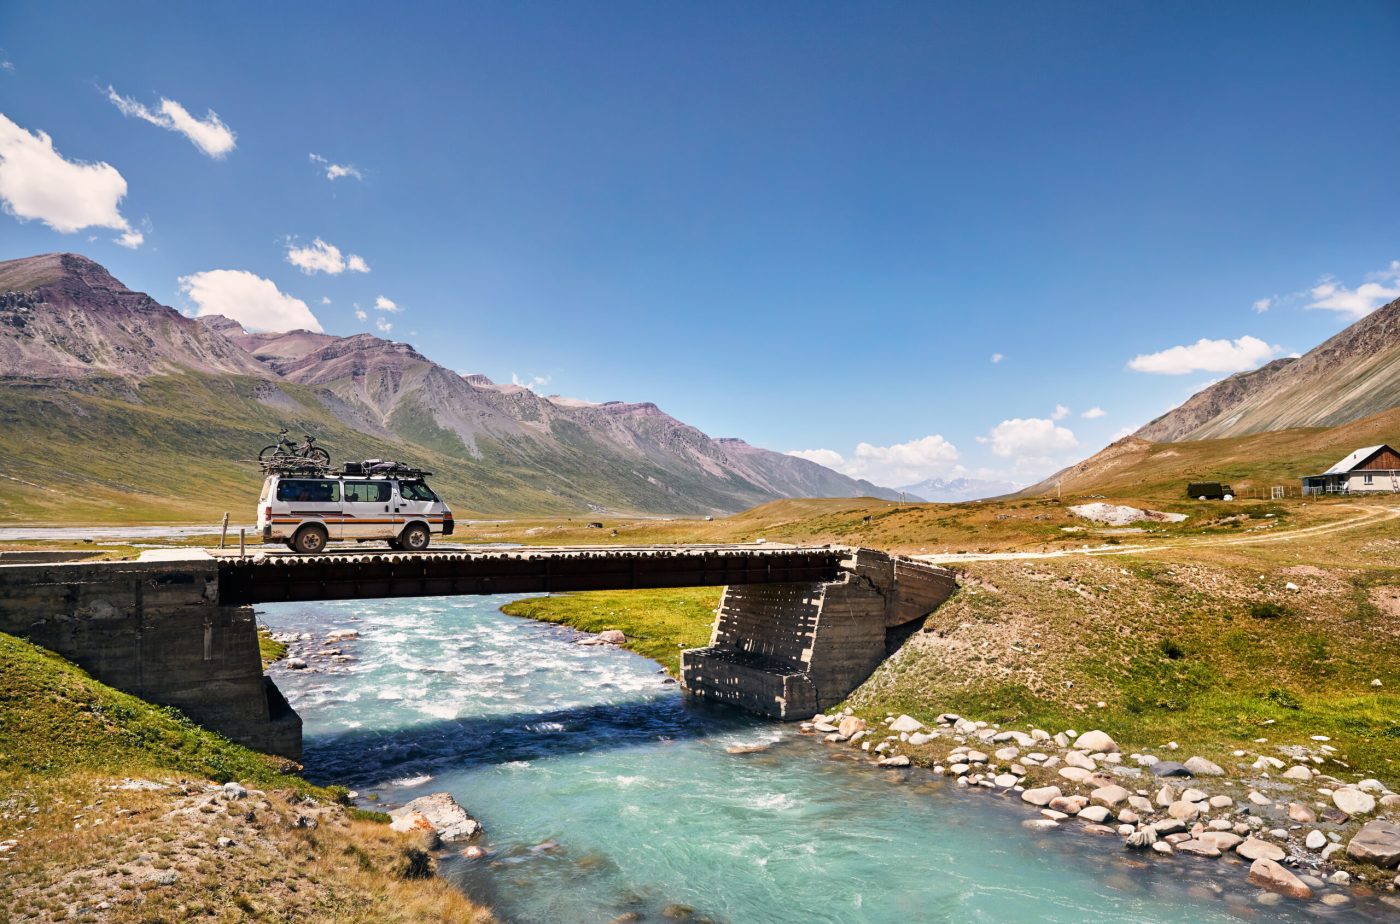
71	330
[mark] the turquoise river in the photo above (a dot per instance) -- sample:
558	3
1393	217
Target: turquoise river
605	794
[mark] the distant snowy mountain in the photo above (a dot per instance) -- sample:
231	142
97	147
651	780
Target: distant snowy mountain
952	491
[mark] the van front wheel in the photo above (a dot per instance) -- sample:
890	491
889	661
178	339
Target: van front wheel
415	538
310	539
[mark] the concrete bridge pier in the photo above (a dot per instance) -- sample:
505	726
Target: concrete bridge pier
791	650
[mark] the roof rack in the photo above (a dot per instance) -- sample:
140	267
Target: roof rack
383	468
293	465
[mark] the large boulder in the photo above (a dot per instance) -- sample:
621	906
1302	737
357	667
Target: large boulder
1095	741
1202	767
438	813
1252	848
1042	795
1377	842
905	723
850	725
1267	874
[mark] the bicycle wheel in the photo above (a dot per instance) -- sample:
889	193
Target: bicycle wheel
268	452
317	454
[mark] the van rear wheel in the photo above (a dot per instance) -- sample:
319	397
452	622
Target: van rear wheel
310	539
415	538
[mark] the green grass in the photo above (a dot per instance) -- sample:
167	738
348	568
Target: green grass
57	720
269	648
657	623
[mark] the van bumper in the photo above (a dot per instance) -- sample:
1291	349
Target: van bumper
447	527
267	533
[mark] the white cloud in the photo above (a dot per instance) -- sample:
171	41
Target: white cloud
321	257
336	171
130	239
6	64
383	304
382	325
997	357
1262	305
1094	413
251	300
1381	287
1030	440
67	195
903	463
360	314
325	299
1207	356
209	134
1060	412
533	382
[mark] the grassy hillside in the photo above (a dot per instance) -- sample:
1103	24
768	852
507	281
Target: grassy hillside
173	847
1259	461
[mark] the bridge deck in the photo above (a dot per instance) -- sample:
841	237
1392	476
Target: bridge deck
349	575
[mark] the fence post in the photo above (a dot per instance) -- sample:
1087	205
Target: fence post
223	531
242	537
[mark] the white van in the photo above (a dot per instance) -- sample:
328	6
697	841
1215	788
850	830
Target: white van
308	510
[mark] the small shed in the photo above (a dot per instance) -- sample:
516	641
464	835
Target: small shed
1370	469
1208	490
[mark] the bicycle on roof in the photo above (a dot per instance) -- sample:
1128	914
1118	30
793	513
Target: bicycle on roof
284	448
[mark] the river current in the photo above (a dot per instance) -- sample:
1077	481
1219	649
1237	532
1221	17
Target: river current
603	793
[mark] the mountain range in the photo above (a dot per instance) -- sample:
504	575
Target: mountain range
134	411
1351	375
957	490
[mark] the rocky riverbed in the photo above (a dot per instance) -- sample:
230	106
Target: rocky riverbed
1309	827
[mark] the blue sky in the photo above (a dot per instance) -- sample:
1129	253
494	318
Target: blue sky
812	225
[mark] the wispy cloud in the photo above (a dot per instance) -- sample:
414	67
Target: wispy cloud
209	134
361	314
37	182
383	304
337	171
1059	413
532	382
321	257
1207	356
1262	305
1094	413
382	325
997	357
251	300
1379	288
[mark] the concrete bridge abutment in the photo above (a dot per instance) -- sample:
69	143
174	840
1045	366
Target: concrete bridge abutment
156	630
792	650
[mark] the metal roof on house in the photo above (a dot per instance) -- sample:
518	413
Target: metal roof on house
1353	460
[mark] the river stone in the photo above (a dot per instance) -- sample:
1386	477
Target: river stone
1220	802
1202	767
1094	813
1298	773
1162	847
976	757
1007	754
1315	840
905	724
1221	840
1251	848
1007	780
1071	805
899	760
850	725
1077	774
919	738
1377	842
1039	824
1141	804
1169	768
1354	801
442	815
1269	875
1041	795
1199	848
1095	741
1259	798
1166	795
1183	810
1301	813
1193	795
1110	795
611	637
1080	759
826	728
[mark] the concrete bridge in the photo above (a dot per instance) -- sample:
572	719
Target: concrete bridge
797	630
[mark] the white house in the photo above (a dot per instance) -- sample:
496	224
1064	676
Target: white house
1371	468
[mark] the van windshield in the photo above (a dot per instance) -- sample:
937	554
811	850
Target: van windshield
416	491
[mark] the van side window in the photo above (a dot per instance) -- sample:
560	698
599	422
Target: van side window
416	491
308	491
366	492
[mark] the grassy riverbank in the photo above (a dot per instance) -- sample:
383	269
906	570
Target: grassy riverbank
658	623
82	841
